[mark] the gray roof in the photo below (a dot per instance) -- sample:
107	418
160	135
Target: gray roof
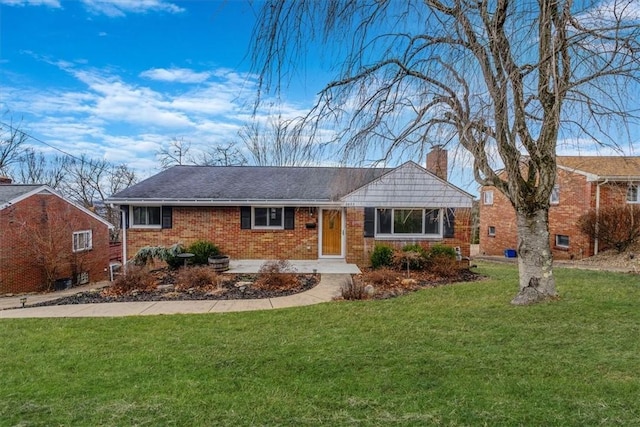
9	192
250	183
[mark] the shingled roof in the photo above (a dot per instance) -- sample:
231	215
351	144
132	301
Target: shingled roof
249	183
11	192
611	167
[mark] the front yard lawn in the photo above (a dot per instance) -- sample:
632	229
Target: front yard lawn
453	355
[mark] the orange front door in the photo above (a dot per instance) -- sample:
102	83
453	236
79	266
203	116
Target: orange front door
331	233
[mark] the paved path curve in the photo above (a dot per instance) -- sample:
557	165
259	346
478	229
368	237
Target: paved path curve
326	290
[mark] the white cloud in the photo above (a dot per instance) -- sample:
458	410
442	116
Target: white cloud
49	3
175	75
119	8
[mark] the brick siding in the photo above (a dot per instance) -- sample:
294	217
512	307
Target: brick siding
577	196
26	222
221	225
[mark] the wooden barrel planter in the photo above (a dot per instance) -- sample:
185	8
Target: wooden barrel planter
219	262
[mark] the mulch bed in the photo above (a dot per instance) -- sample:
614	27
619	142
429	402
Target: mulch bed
390	283
227	290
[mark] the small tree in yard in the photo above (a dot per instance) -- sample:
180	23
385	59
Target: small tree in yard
613	226
505	80
51	239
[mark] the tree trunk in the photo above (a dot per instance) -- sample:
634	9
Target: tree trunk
534	258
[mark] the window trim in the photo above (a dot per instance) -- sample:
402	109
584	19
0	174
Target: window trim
267	227
637	189
422	235
487	197
491	231
132	223
562	246
88	241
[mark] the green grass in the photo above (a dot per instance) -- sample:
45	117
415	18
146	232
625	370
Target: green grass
456	355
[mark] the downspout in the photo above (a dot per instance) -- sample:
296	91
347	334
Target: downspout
597	226
123	227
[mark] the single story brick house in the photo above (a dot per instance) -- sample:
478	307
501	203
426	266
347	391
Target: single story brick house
582	183
45	237
296	213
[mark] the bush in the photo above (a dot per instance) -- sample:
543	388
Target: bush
444	265
276	276
148	254
615	226
382	277
202	249
134	278
200	277
443	251
354	290
412	257
382	256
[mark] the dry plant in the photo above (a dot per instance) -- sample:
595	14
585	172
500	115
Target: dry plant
276	275
354	290
135	278
199	277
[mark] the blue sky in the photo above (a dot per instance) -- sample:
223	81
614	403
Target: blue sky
117	79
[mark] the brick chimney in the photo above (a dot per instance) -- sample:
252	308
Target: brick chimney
5	180
437	162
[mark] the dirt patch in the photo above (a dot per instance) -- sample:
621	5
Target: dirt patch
627	261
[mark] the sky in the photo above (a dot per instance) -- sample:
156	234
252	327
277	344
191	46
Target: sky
119	79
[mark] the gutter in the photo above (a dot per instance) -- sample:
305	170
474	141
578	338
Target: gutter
218	202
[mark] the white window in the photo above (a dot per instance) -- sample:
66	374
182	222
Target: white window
271	217
562	241
554	199
492	231
487	197
633	193
82	241
409	222
145	216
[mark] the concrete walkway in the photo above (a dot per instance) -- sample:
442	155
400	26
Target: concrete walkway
333	275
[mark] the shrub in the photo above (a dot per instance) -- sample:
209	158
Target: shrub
148	254
412	257
444	265
614	226
196	277
134	278
354	290
444	251
382	256
276	275
202	249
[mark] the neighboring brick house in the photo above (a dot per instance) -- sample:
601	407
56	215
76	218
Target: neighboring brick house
46	238
296	212
582	183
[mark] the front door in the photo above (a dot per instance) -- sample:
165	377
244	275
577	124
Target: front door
331	232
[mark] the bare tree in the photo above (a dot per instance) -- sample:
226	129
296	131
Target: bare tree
34	168
278	142
176	152
222	155
90	182
504	79
12	145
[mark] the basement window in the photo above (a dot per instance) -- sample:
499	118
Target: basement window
562	241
